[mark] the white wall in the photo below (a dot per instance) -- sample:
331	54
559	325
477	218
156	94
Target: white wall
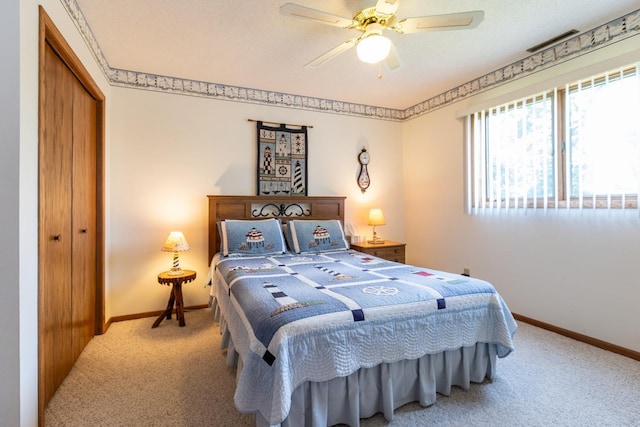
572	269
9	211
24	320
168	152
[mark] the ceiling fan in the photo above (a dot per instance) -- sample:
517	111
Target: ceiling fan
372	46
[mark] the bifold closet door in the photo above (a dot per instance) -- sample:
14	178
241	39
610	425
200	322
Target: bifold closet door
55	189
67	230
83	219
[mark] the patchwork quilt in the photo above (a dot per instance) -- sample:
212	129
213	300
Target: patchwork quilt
314	317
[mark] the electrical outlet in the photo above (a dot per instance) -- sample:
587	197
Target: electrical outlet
466	272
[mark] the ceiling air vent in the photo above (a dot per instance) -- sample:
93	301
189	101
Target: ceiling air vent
552	41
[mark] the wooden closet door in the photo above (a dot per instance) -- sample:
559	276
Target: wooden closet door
55	187
83	219
70	212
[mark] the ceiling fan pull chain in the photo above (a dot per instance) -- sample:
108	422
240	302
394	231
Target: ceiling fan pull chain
380	70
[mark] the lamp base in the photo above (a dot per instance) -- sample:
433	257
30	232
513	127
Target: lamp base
175	272
376	242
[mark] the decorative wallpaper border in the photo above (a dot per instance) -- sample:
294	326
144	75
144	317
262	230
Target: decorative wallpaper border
617	30
119	77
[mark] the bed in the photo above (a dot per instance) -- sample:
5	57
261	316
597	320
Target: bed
324	335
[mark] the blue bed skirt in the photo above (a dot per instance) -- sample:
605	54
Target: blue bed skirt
380	389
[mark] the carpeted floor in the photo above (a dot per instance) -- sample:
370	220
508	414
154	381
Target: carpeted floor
171	376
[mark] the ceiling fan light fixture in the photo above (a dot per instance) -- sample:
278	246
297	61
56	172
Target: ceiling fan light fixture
373	48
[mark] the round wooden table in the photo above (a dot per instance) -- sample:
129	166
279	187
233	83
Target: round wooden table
176	294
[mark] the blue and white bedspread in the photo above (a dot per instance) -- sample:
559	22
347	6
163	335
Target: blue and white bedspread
297	318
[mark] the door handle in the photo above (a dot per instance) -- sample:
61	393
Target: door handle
57	238
83	231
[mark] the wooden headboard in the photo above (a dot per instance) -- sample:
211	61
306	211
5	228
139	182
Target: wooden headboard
262	207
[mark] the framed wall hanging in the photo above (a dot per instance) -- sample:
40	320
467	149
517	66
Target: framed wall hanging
282	160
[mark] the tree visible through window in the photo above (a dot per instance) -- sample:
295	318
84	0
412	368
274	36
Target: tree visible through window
573	146
520	153
603	137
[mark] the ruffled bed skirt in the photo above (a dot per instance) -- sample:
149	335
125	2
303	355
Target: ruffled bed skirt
380	389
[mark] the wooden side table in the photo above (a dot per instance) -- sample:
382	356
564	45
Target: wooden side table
176	295
391	251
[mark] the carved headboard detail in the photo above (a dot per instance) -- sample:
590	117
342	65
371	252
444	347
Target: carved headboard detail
263	207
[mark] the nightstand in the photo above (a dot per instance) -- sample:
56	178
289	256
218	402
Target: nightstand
392	251
176	295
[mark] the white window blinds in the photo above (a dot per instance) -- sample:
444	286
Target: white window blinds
576	146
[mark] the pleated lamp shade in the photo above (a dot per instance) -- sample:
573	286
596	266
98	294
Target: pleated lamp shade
175	243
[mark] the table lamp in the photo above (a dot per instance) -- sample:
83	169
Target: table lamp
376	217
175	243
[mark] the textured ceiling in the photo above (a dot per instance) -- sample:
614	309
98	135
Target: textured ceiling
250	44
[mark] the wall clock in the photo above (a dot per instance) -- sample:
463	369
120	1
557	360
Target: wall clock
363	175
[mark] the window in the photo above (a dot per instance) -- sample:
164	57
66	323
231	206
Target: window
576	146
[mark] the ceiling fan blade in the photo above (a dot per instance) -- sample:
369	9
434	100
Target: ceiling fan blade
297	11
393	59
387	7
327	56
450	21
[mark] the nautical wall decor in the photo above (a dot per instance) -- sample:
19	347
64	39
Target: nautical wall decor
363	174
282	160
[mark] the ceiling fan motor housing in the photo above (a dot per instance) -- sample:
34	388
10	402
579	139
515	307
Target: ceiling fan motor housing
369	16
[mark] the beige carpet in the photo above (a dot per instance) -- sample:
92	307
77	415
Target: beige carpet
171	376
